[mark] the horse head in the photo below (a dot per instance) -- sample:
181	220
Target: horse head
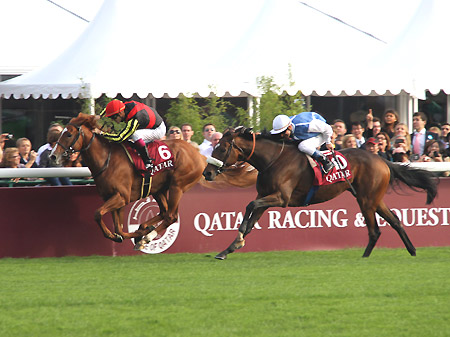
228	151
73	138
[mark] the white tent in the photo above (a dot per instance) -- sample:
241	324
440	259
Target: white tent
171	47
418	59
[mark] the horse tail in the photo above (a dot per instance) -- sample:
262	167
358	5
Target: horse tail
414	178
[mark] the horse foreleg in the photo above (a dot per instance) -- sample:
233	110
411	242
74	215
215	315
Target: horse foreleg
118	223
256	215
239	242
395	223
253	212
112	204
256	208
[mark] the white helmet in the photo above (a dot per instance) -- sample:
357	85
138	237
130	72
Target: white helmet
280	123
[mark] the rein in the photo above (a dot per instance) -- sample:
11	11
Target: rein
105	166
276	158
253	148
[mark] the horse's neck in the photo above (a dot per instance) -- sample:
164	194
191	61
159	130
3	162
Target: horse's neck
96	155
265	153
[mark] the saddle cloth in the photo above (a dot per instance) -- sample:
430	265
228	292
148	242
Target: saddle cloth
336	174
158	151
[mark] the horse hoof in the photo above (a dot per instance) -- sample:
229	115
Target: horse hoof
138	246
221	256
118	238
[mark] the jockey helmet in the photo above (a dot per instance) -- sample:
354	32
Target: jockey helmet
114	107
280	123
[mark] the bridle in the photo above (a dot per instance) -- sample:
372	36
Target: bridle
221	165
70	150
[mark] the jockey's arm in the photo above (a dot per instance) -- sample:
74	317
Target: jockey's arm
317	125
124	134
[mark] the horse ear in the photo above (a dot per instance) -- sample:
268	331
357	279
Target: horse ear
248	131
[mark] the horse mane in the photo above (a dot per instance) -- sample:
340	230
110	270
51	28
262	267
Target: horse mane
247	133
84	119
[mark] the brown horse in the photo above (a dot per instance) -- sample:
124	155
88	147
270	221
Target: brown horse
119	183
285	178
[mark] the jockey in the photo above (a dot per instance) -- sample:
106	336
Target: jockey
143	125
311	129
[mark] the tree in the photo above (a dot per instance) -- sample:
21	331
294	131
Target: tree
272	103
200	111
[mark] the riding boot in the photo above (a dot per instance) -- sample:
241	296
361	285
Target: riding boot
327	165
143	152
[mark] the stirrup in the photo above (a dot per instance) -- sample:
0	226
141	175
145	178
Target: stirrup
327	166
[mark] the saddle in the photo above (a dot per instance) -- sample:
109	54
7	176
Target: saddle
340	172
162	157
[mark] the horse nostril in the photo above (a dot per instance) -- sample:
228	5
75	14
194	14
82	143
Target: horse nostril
208	176
52	157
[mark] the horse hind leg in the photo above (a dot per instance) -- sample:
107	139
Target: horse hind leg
168	214
154	231
374	231
395	223
147	230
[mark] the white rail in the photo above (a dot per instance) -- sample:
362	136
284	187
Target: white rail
433	167
45	172
85	172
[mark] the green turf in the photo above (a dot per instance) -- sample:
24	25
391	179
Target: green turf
327	293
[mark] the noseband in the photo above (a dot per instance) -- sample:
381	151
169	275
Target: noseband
70	150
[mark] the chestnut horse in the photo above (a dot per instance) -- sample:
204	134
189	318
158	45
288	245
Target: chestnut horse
119	183
285	178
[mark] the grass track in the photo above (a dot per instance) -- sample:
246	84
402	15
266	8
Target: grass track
326	293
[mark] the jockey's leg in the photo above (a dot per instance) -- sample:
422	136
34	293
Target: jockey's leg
309	146
327	165
142	150
143	136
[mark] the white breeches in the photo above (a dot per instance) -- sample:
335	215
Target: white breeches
149	135
312	144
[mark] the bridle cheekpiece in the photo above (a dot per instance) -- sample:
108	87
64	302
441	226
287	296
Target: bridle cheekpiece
68	151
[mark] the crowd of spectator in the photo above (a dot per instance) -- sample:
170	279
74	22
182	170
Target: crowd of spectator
385	136
20	153
392	140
